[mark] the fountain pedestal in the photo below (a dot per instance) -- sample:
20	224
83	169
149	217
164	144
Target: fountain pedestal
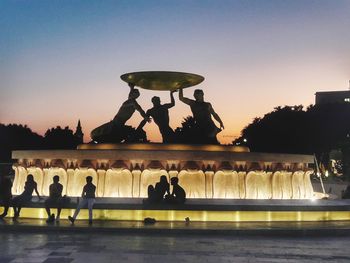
208	171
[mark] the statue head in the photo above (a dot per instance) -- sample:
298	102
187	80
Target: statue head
198	94
134	94
56	179
156	101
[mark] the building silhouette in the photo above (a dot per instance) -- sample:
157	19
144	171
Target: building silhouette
329	97
79	132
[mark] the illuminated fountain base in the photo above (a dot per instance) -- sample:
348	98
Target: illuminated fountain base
201	210
126	170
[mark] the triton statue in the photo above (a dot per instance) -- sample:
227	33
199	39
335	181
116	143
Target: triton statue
160	115
203	131
116	130
206	130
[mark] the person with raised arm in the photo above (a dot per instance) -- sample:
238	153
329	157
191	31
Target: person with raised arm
160	114
116	130
202	113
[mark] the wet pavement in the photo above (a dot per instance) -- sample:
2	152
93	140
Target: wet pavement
323	228
52	247
34	241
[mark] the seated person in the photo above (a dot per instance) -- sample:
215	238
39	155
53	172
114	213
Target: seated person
5	193
178	196
156	194
24	198
54	200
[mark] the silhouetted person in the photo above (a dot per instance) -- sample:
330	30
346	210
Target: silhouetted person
178	195
160	115
88	196
24	198
156	194
5	193
54	200
202	112
116	130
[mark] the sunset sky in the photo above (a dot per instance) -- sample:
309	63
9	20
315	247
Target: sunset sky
61	61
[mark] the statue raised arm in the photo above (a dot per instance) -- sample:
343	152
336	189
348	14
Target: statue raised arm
116	130
202	113
160	114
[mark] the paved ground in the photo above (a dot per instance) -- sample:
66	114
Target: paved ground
93	247
33	241
326	228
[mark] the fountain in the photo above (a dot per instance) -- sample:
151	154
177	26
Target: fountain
208	173
211	171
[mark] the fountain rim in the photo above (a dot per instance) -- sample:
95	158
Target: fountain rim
163	147
192	79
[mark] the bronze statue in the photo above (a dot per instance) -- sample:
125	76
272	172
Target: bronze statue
202	112
160	115
116	130
200	130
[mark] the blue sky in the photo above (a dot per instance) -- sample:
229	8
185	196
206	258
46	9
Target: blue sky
61	60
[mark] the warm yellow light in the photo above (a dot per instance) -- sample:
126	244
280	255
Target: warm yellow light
200	216
164	147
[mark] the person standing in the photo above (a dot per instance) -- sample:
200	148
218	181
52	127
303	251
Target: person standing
5	193
88	196
54	200
20	200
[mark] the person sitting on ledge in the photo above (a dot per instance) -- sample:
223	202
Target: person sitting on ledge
5	193
54	200
156	194
178	195
24	198
88	196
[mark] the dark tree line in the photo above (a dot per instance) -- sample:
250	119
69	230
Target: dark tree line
319	129
19	137
291	129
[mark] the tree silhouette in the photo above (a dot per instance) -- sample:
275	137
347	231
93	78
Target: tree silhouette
188	133
291	129
20	137
58	138
17	137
